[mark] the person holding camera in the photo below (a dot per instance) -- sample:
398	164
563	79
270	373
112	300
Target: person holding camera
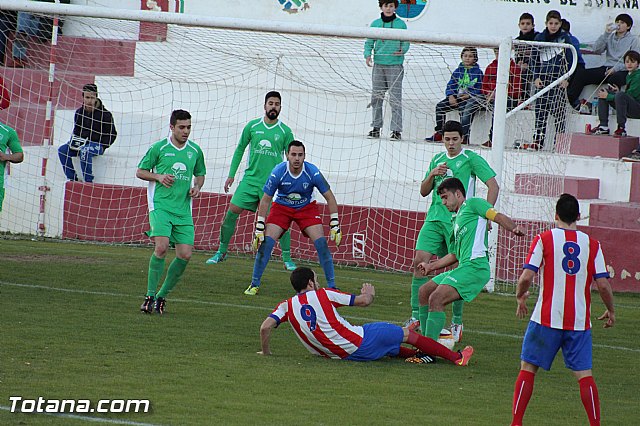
627	103
614	42
93	133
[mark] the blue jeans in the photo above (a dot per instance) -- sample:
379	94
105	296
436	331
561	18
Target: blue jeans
86	153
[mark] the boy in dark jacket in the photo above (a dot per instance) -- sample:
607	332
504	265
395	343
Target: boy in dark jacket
93	133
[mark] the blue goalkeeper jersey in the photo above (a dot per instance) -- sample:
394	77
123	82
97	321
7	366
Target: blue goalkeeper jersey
295	191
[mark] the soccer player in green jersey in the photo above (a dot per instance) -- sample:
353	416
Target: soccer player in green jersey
170	166
8	140
469	250
435	234
267	139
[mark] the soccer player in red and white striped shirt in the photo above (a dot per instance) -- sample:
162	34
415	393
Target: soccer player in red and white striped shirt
568	261
313	316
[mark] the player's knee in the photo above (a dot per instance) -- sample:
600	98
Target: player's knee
436	302
423	295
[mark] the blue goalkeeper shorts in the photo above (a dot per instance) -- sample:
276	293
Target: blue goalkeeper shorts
380	339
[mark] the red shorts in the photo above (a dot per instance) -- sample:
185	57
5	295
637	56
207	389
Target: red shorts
305	217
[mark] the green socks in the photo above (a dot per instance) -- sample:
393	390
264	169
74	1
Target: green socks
435	323
416	283
227	230
156	268
457	307
423	316
175	271
285	245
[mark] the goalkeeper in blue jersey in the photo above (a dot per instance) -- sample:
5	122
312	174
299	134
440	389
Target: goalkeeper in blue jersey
294	180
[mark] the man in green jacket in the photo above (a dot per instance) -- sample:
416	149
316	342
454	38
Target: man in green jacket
388	71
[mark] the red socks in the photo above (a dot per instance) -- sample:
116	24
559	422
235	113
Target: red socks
406	352
431	347
590	399
521	395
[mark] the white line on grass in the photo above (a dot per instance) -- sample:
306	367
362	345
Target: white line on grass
263	308
89	418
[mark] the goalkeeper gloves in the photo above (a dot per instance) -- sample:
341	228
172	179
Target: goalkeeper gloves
258	237
335	232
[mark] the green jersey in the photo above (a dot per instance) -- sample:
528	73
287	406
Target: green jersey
267	145
164	157
8	139
470	230
466	166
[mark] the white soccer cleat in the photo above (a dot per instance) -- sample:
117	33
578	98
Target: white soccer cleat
456	331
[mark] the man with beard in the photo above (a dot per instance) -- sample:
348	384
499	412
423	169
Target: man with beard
267	138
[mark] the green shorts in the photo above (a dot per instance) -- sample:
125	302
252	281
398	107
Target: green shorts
179	229
247	196
1	197
469	278
434	237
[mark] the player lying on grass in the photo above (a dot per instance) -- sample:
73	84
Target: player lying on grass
468	248
320	328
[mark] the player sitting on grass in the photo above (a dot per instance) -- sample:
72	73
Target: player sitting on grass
294	181
627	103
315	320
469	250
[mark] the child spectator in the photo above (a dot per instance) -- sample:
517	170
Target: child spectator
548	65
614	42
566	27
388	71
523	53
514	91
465	84
627	104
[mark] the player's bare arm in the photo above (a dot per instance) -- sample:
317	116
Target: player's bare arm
194	192
426	268
263	207
265	334
427	184
164	180
16	157
522	292
366	296
493	189
505	222
606	294
228	183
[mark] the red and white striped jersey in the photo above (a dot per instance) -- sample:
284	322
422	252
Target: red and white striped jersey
569	261
318	324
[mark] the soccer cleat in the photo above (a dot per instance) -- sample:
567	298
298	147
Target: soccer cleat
487	144
412	324
160	304
251	290
599	130
456	330
437	137
465	356
374	133
620	132
289	265
421	358
216	258
147	305
395	136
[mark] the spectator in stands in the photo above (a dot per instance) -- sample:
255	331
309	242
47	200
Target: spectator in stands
465	84
523	53
10	151
627	104
615	42
548	65
28	27
386	58
7	25
514	92
580	66
93	133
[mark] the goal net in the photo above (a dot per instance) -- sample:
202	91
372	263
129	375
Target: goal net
144	70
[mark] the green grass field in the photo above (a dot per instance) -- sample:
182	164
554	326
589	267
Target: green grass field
71	329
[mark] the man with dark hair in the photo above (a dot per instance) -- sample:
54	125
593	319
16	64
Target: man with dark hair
568	261
93	133
614	43
436	231
170	165
469	250
267	138
294	181
315	320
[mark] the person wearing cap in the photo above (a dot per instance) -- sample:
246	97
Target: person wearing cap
93	132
